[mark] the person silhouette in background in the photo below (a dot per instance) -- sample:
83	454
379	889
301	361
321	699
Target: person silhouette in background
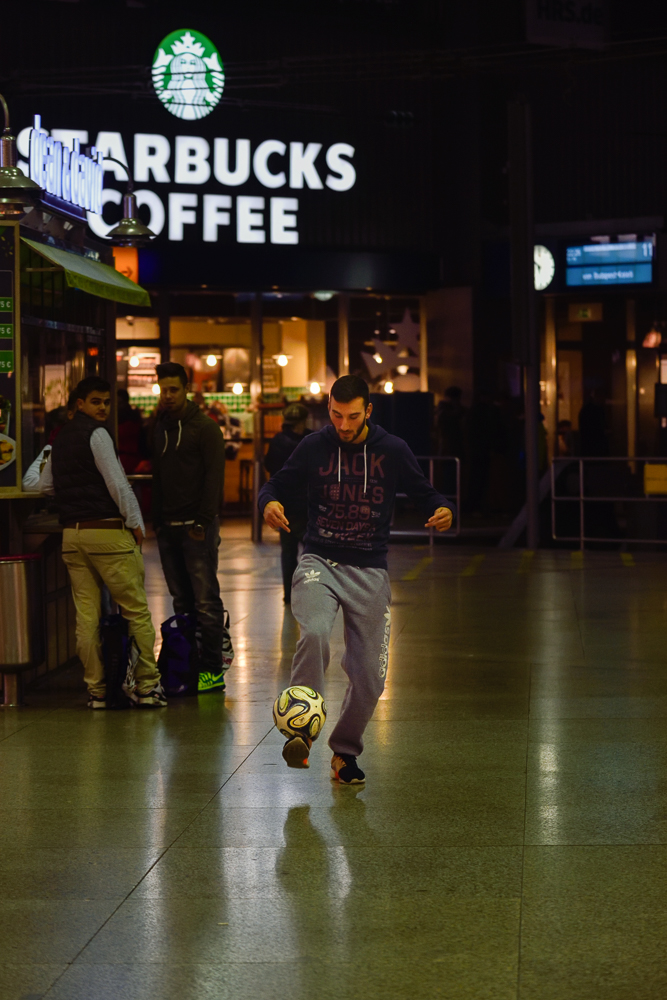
30	480
593	441
132	446
449	419
280	448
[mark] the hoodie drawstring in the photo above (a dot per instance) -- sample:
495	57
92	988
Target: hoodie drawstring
365	469
178	441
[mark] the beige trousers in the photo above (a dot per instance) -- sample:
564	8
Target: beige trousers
109	555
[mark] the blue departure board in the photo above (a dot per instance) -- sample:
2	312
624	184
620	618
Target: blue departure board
623	263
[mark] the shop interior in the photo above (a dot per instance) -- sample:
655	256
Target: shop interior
301	356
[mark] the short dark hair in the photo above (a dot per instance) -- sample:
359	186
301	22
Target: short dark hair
71	401
350	387
91	384
171	369
123	395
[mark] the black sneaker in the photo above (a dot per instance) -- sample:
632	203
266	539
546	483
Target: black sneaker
297	750
344	768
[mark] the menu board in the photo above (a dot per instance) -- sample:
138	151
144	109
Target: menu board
9	318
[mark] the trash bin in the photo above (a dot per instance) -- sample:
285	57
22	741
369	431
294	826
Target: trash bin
21	619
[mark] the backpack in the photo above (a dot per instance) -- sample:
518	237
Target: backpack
119	656
178	661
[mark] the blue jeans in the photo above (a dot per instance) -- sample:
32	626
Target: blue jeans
191	571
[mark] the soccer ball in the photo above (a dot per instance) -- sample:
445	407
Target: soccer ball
299	711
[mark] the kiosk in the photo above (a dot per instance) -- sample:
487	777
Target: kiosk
58	295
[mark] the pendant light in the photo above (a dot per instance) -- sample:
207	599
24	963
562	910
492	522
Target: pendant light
18	193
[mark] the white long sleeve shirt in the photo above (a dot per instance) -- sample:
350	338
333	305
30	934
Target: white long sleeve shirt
113	474
30	481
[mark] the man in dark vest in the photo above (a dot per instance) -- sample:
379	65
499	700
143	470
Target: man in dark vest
102	537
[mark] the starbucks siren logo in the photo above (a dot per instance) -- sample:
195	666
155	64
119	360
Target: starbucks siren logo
187	74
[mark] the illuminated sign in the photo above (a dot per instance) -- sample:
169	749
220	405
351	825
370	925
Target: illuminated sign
187	74
623	263
191	162
66	174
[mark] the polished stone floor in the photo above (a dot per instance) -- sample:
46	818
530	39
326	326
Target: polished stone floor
511	841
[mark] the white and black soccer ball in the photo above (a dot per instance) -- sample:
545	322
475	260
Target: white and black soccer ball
299	711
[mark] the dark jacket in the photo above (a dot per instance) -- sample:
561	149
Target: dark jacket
131	438
351	492
280	449
188	468
81	493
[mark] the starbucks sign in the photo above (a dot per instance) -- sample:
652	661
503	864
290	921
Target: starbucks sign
187	74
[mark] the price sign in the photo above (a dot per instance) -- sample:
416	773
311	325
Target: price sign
6	361
7	331
6	304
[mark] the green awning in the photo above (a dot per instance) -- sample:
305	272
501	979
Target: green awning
92	276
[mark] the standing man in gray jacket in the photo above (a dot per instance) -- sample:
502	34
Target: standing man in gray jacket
188	480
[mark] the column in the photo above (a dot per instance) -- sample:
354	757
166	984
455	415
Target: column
343	334
257	415
631	377
524	328
423	345
551	375
164	321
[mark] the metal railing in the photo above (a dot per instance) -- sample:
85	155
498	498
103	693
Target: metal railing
429	533
582	498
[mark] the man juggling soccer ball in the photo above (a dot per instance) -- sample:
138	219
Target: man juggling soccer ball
352	471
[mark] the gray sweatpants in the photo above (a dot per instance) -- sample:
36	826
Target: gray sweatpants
319	589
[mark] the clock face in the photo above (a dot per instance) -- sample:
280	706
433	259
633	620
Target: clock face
545	267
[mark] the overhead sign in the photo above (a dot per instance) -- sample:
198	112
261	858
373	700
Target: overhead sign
626	263
579	24
66	174
195	188
187	74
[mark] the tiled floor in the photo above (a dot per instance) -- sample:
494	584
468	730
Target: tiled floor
511	843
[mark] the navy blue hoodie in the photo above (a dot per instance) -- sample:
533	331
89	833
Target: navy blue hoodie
351	491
